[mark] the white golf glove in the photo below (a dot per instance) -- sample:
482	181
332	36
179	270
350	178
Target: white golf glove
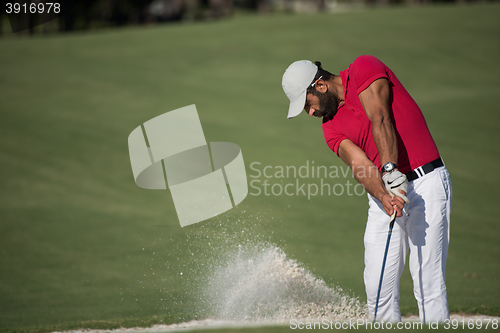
395	181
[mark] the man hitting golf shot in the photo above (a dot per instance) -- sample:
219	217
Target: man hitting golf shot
373	124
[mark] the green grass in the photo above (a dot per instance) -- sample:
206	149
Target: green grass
81	243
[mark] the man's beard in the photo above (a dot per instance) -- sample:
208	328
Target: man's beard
328	104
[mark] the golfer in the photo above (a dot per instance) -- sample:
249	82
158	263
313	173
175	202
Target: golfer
373	124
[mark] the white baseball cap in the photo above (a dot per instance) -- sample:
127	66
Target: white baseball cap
297	78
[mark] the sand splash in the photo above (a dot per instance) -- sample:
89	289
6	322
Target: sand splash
260	283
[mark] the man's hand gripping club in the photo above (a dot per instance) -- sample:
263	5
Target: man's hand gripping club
396	184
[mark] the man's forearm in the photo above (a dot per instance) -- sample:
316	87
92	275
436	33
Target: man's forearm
370	178
386	141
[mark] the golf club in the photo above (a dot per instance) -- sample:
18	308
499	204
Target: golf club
391	225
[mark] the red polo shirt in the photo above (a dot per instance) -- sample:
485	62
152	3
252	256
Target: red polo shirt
416	146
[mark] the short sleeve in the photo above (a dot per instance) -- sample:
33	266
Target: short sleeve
333	138
366	69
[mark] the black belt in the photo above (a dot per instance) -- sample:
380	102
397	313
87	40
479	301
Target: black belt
424	169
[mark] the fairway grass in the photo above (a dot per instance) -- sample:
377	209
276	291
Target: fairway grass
82	246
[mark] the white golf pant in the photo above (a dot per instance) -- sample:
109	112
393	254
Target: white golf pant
424	229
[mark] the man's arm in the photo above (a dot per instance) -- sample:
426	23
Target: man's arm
375	101
367	174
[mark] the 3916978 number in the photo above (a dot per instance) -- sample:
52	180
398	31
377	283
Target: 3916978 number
33	8
471	324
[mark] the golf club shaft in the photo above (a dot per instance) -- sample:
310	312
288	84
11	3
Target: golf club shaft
391	225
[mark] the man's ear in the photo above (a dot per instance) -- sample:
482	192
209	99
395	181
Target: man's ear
321	86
